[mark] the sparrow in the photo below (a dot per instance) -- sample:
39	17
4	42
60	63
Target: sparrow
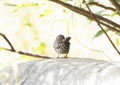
62	45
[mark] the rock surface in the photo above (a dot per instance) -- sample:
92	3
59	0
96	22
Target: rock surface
70	71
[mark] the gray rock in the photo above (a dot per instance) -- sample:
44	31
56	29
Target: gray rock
70	71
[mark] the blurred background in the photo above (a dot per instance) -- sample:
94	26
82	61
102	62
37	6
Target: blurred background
32	26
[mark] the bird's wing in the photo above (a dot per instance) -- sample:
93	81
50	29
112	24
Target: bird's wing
57	45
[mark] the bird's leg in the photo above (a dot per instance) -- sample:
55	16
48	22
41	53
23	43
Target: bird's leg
66	55
58	56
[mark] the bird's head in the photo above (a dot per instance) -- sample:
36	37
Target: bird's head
60	38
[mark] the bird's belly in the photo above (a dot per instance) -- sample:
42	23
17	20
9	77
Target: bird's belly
62	51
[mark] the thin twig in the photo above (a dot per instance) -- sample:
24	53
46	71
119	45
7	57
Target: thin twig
103	6
20	52
87	14
114	2
35	55
100	5
97	21
12	48
110	27
27	54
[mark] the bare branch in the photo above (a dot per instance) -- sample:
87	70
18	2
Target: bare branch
12	48
115	4
97	21
87	14
109	27
100	5
20	52
34	55
103	6
27	54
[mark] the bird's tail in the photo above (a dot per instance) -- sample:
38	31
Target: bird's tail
67	39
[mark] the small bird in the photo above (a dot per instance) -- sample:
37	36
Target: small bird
62	45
